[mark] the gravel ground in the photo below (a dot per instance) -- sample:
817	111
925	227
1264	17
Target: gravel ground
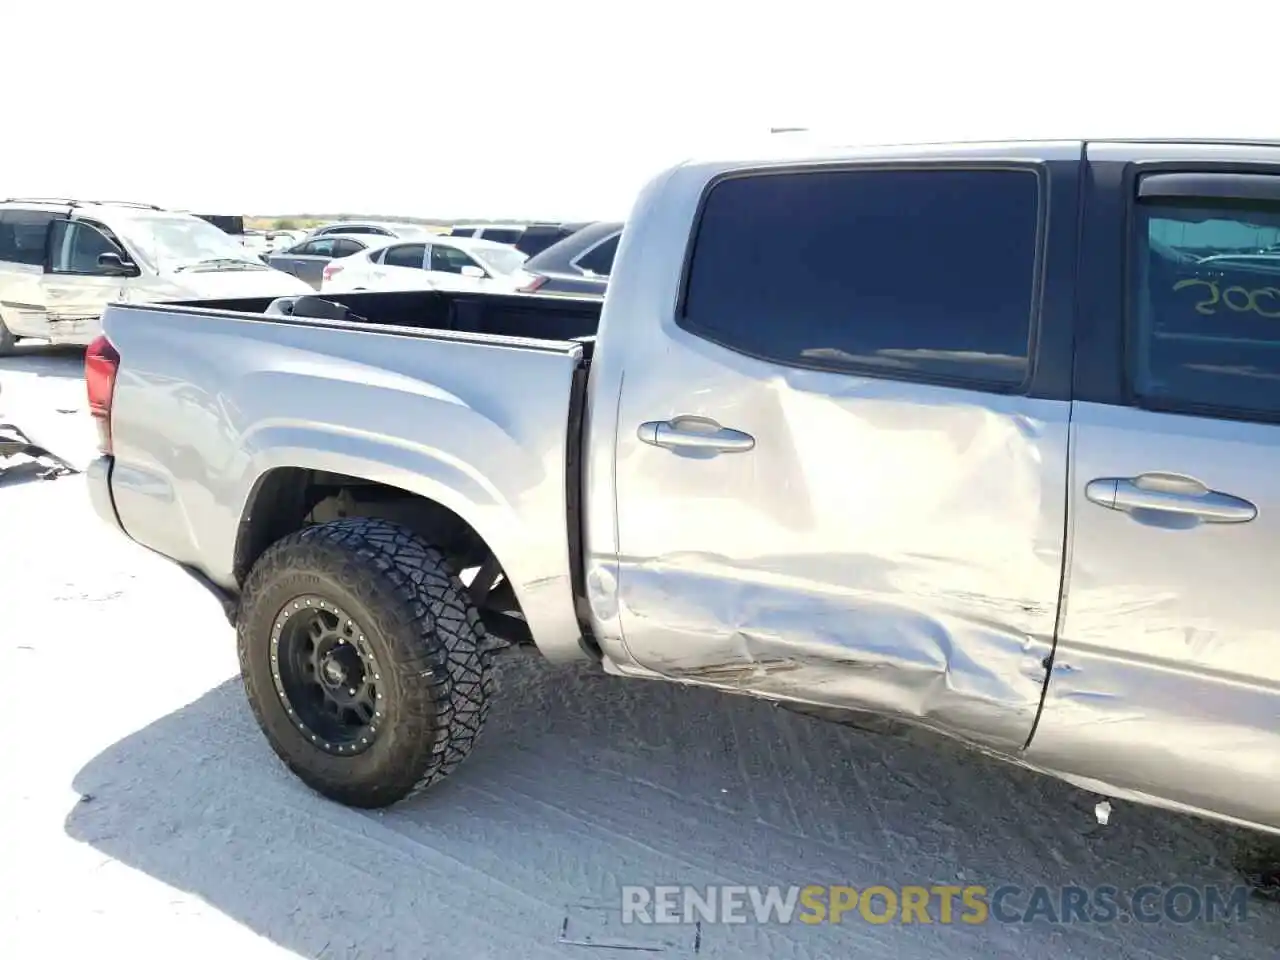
141	810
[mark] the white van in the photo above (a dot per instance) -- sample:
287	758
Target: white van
63	261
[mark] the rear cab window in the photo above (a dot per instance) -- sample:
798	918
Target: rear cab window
1204	331
821	269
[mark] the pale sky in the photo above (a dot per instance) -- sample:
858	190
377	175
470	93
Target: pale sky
561	108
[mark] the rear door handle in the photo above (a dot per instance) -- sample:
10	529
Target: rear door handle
1169	493
695	433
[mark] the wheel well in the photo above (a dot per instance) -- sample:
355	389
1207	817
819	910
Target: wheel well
286	499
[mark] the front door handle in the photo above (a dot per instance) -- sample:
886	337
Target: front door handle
1169	493
695	433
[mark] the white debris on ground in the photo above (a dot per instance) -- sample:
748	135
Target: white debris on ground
142	812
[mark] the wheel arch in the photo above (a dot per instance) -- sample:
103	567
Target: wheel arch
283	499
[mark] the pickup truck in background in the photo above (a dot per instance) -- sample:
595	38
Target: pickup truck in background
979	437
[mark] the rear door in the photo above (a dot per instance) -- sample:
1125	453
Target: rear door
842	451
77	287
1166	678
403	267
306	261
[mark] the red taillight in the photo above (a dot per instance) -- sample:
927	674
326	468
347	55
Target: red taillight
329	270
534	285
101	361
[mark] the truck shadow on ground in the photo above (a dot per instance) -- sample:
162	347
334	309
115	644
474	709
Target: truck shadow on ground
584	782
43	360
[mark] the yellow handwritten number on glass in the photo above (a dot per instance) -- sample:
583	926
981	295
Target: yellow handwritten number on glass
1236	299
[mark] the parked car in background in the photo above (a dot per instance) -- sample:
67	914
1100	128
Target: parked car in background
372	228
284	239
576	266
446	263
538	236
233	225
508	233
307	260
63	261
256	242
229	223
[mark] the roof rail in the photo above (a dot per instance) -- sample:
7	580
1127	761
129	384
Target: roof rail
77	203
59	200
126	203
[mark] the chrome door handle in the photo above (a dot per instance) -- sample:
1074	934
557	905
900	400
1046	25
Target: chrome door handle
1169	493
694	433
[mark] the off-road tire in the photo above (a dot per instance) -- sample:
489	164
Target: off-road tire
423	630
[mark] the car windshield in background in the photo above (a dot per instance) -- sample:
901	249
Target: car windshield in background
501	261
181	241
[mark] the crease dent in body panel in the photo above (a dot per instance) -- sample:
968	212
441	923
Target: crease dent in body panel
781	640
889	549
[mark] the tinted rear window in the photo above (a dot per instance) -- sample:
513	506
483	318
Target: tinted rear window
906	273
1207	307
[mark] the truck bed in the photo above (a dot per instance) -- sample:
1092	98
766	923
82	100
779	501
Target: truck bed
508	315
472	402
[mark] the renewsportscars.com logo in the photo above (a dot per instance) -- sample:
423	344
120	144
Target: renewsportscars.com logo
935	903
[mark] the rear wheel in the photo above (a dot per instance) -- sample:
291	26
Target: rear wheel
363	660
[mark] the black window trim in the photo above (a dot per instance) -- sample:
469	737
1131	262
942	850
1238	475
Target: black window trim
1036	167
1223	182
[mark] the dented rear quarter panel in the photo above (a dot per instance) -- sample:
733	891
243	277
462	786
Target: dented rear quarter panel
886	545
208	402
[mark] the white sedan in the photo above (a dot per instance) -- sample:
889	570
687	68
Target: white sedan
441	263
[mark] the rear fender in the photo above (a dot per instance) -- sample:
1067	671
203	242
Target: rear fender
539	578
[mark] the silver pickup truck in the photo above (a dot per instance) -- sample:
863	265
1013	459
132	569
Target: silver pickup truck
980	437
